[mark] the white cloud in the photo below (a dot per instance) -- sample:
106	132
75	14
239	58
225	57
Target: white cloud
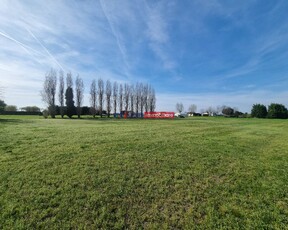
158	35
157	28
128	42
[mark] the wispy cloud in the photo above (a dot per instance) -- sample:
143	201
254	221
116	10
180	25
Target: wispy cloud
178	46
25	47
46	50
115	33
158	35
157	27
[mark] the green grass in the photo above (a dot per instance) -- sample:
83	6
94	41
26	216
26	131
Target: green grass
196	173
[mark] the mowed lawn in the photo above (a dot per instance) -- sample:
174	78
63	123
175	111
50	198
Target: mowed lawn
192	173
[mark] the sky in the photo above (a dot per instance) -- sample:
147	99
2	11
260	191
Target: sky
203	52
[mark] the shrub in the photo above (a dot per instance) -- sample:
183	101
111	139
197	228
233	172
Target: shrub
45	113
228	111
2	105
277	111
259	111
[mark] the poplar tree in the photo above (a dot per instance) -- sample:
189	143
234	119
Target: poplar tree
79	90
61	93
69	97
100	95
49	92
115	95
93	98
108	93
70	102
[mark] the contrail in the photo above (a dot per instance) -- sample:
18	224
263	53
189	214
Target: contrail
47	51
25	47
115	35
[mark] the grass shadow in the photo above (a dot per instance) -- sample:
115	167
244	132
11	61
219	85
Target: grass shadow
13	121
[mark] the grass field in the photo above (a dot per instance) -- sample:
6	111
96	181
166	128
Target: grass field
192	173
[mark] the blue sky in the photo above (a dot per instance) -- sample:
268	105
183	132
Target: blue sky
203	52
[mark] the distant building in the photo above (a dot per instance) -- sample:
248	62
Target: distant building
193	114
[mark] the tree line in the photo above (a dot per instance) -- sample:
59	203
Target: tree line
105	97
274	110
219	110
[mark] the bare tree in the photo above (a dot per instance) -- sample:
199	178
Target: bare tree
192	108
120	98
151	99
137	98
126	96
69	80
108	92
219	109
142	98
61	92
93	97
211	111
69	96
115	96
79	91
49	91
179	107
100	95
145	97
132	98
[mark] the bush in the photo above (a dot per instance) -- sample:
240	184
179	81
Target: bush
228	111
31	109
45	113
259	111
2	105
11	108
277	111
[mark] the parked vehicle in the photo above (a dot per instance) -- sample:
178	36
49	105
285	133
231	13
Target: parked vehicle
181	115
